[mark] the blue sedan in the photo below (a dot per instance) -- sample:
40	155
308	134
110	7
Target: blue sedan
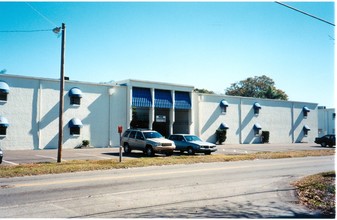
192	144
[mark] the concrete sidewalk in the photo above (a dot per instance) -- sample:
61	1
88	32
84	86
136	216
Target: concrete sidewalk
15	157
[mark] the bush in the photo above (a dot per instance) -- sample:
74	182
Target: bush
265	136
85	143
221	135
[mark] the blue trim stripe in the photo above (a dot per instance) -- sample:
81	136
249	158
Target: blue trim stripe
182	100
162	99
141	97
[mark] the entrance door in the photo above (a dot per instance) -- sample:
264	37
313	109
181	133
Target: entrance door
181	124
162	121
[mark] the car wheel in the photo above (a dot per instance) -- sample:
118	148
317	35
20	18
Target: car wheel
127	149
149	152
323	144
190	151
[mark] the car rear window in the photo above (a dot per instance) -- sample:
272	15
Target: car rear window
133	134
192	138
152	134
126	133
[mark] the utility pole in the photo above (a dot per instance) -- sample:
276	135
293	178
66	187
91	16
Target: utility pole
59	150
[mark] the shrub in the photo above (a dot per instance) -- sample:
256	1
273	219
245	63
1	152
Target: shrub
221	135
265	136
85	143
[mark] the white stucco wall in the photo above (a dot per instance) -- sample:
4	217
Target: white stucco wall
300	121
209	117
21	113
32	110
326	121
283	119
119	109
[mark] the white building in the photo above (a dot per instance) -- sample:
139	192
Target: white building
29	113
326	121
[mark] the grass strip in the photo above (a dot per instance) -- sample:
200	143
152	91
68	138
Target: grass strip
317	192
88	165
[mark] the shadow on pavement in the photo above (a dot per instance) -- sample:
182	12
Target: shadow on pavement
225	209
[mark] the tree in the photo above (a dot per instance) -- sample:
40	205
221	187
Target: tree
3	71
258	87
203	91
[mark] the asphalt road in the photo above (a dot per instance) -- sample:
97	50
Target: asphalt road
245	189
15	157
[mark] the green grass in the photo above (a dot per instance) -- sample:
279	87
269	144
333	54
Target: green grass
317	192
87	165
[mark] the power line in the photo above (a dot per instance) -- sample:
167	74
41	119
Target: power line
39	13
295	9
25	31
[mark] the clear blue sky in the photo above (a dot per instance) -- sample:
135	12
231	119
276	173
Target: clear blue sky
206	45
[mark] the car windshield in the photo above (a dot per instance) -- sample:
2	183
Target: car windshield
192	138
152	134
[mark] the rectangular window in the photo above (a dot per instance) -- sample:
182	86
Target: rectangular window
3	130
305	114
223	109
75	100
75	131
3	96
305	132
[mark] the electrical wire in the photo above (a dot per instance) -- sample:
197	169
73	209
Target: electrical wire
25	31
39	13
30	31
295	9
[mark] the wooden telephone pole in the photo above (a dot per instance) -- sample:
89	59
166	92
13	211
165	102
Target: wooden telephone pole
59	150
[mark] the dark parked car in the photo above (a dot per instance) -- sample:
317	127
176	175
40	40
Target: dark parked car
148	141
326	140
192	144
1	155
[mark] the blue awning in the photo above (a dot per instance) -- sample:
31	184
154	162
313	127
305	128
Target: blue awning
75	92
306	109
3	122
4	88
257	105
306	127
224	126
75	123
224	103
182	100
257	126
162	99
141	97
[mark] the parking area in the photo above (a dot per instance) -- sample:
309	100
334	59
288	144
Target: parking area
15	157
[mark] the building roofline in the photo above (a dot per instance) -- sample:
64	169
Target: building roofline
55	80
243	97
152	84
